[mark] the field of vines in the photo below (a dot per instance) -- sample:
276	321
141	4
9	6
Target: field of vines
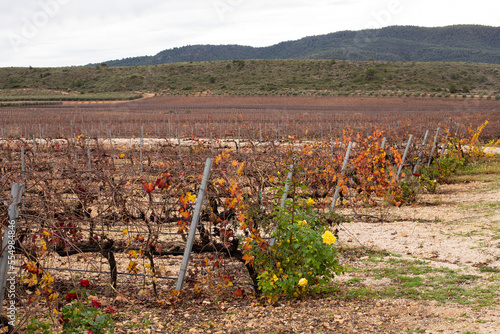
110	189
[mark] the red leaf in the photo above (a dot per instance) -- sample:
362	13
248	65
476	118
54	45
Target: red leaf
238	292
148	186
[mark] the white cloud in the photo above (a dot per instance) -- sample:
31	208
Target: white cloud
76	32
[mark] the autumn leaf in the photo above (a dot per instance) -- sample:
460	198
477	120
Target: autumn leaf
240	169
190	198
164	181
218	181
185	214
132	267
248	258
148	186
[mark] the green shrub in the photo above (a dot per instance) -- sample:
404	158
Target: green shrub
304	255
452	88
371	74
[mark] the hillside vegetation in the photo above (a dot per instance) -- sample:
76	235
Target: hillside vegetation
263	77
459	43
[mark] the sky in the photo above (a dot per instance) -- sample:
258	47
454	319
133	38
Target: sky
53	33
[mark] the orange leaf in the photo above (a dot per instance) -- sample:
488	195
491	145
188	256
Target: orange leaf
248	258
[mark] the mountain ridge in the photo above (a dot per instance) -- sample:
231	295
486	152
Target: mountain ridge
457	43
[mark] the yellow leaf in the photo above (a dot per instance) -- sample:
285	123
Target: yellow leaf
53	296
47	233
132	267
190	197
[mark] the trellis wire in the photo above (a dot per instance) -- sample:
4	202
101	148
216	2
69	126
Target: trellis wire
131	274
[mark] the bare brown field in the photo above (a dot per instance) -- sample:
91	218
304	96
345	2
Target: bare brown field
251	117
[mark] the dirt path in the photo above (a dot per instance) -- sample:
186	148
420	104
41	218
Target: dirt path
457	229
459	225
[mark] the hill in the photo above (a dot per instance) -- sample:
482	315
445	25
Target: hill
263	77
459	43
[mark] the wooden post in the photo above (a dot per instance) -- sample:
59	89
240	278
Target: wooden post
384	142
34	148
283	199
40	130
279	131
400	168
7	257
179	141
89	162
443	148
22	164
141	144
433	147
76	154
194	223
420	153
342	173
212	143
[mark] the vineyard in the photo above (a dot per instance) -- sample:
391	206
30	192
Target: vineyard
111	190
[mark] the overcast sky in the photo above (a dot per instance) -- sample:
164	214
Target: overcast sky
77	32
